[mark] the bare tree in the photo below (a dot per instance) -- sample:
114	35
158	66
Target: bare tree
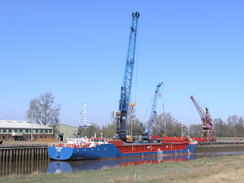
195	130
233	127
43	111
167	125
220	127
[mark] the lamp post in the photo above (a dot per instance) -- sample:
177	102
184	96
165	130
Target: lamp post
182	128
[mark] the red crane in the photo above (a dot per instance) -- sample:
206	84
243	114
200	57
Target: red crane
207	126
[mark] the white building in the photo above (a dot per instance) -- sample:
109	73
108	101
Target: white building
23	130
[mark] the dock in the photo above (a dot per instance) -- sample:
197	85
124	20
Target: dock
225	146
13	153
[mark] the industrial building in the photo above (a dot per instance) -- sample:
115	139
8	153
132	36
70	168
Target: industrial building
11	130
65	131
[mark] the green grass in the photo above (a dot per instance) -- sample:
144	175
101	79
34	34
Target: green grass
219	170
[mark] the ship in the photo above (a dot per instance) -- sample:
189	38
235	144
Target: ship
99	148
94	148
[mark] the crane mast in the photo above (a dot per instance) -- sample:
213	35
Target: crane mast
128	75
207	126
153	109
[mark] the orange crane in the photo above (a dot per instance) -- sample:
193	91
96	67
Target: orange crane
207	126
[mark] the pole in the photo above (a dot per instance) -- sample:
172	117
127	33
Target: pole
182	127
31	130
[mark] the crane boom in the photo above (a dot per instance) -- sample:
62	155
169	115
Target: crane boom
153	109
128	75
199	109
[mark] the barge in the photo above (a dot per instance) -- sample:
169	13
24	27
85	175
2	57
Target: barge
82	149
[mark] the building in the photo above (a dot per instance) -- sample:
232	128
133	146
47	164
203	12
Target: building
11	130
66	131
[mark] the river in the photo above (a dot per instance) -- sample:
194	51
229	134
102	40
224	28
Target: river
53	167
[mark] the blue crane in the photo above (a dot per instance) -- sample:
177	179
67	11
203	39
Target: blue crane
153	110
128	75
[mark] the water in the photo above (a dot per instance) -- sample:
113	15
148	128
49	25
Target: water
53	167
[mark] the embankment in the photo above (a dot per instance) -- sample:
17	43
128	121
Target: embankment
220	147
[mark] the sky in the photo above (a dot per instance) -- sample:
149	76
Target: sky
77	50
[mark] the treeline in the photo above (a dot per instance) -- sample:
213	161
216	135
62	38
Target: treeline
166	125
110	129
233	127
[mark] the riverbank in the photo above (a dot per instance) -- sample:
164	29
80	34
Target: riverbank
221	169
220	147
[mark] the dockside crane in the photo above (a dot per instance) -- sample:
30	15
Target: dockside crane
207	126
127	81
153	109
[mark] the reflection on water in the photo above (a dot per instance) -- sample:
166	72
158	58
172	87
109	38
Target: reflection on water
45	166
23	167
75	166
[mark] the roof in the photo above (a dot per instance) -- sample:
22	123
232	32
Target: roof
65	125
21	124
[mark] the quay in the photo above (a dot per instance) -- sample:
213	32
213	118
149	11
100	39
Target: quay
13	153
225	146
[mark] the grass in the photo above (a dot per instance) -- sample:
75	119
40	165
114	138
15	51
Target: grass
211	170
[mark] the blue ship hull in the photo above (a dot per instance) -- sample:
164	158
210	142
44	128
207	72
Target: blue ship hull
104	151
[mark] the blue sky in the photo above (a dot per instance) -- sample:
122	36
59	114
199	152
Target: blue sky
77	50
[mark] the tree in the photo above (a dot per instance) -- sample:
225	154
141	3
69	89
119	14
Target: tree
90	131
109	129
233	127
43	111
231	123
195	130
165	124
240	127
220	127
136	126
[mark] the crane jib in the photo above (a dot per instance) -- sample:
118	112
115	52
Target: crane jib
153	109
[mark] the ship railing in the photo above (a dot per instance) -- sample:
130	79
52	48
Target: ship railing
80	143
